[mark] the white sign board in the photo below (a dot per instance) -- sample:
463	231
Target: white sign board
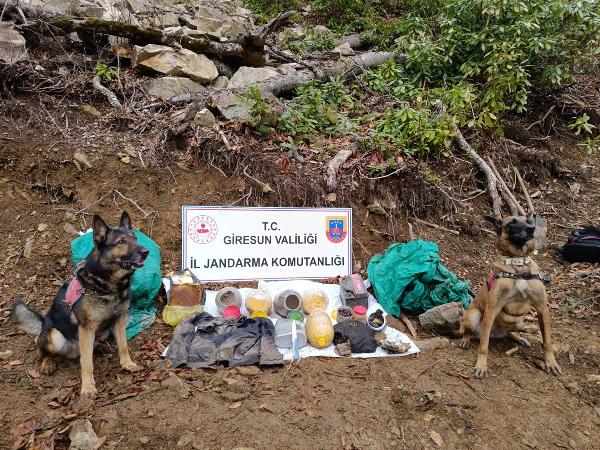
239	244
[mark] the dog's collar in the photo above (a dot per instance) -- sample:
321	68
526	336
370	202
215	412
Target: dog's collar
521	261
80	290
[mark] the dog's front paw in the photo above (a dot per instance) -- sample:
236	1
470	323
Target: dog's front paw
130	366
481	370
552	366
47	366
88	391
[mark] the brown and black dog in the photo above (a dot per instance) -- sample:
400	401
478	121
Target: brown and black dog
92	305
515	287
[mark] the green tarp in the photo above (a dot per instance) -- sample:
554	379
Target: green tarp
410	278
145	284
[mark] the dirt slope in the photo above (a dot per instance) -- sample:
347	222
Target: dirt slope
410	402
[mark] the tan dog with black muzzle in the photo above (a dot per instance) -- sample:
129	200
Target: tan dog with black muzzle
515	287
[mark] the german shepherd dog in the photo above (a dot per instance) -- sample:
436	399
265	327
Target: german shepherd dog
95	303
515	286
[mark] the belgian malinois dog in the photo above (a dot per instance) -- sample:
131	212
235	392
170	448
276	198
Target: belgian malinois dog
515	286
92	305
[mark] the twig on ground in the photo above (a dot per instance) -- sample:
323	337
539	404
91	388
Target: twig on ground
333	166
410	231
485	168
542	120
112	98
406	321
223	137
513	205
437	227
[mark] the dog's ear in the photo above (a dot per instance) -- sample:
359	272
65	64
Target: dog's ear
125	221
497	223
530	218
100	230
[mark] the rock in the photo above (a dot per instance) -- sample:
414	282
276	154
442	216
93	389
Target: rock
69	228
222	19
178	62
436	437
248	370
91	110
204	118
12	44
443	318
220	82
144	440
296	32
42	227
593	378
167	87
376	208
82	436
165	20
28	248
185	440
433	343
286	69
6	355
344	49
321	29
82	160
246	76
65	7
331	197
231	107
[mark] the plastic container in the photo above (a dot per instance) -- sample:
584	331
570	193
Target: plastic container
228	296
259	300
283	333
258	314
175	314
232	312
376	321
314	300
296	315
360	313
319	329
286	301
344	314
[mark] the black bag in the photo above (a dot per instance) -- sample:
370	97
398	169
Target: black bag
361	337
582	246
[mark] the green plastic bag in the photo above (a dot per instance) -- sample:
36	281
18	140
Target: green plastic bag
145	284
410	278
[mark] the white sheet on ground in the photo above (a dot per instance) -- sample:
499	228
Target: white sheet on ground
333	293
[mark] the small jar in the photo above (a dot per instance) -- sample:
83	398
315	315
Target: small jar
344	314
259	300
228	296
360	313
376	321
286	301
314	300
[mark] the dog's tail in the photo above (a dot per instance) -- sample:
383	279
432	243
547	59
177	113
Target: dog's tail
28	320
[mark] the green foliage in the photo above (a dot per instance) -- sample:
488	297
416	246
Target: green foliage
104	72
318	108
262	114
412	130
267	9
582	123
314	41
591	145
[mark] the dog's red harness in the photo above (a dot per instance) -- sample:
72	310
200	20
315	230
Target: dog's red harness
74	292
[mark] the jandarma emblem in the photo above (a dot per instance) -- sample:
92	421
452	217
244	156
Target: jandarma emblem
202	229
336	229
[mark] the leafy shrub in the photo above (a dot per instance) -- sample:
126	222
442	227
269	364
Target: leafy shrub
314	41
267	9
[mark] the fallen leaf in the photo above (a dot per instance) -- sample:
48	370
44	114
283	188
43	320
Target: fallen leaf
28	248
16	362
124	157
42	227
428	417
33	373
235	405
436	437
511	351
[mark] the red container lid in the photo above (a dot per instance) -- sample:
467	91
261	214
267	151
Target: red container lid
231	312
360	310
